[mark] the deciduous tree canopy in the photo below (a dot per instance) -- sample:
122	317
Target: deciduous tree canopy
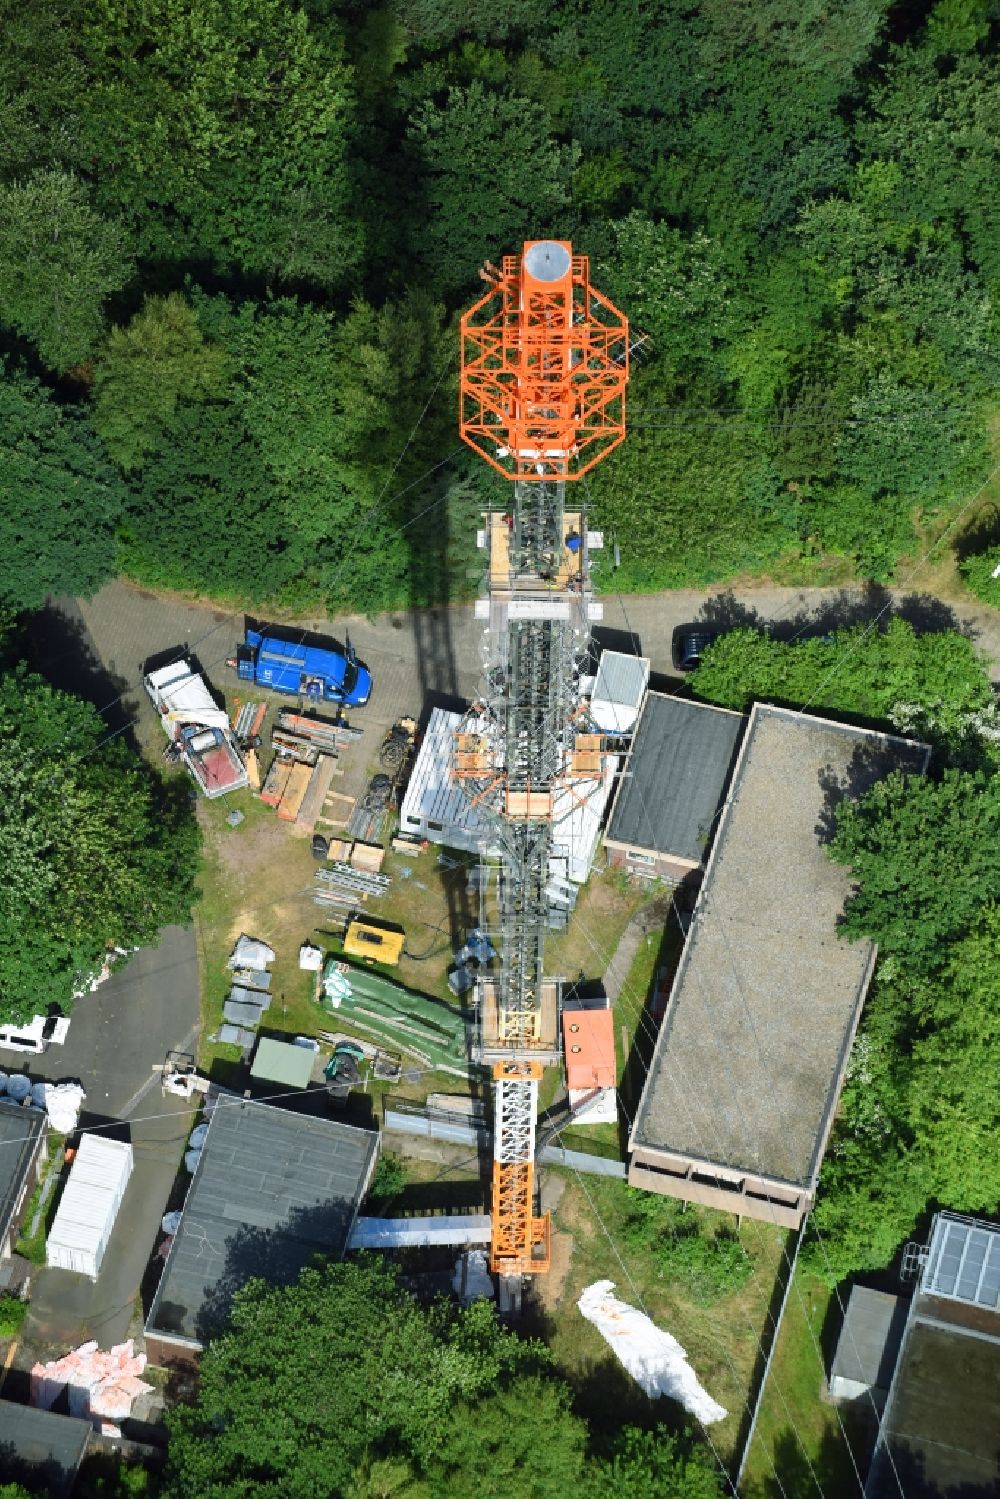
97	850
278	211
344	1384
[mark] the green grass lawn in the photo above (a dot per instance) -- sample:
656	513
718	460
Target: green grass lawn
721	1337
797	1427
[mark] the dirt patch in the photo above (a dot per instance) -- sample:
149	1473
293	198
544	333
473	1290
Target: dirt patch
548	1289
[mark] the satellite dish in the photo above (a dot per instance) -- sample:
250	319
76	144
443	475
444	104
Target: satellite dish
547	260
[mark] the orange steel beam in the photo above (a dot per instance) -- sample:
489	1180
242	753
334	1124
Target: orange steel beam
520	1243
544	367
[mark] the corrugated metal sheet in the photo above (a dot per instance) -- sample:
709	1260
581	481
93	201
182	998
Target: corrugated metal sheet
436	807
404	1233
433	795
619	688
89	1205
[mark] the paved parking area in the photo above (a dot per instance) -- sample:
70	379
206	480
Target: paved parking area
147	1007
67	1309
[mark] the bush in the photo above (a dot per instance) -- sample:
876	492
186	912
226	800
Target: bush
706	1260
12	1314
977	573
389	1178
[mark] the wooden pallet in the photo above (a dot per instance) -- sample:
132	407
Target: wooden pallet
276	782
367	856
312	802
295	791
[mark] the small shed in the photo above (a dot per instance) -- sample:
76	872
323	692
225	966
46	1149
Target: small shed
282	1062
868	1346
86	1215
673	787
618	691
589	1047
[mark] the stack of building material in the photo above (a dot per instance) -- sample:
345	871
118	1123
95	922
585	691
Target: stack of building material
103	1386
294	793
340	884
276	781
249	721
249	996
304	737
312	802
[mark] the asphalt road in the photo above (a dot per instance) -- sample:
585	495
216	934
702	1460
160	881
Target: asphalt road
149	1006
431	655
145	1008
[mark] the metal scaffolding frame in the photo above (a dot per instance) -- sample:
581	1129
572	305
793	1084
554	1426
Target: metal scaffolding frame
544	366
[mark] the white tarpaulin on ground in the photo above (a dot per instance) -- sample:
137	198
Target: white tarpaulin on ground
62	1102
655	1360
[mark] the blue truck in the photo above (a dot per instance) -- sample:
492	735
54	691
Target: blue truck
309	671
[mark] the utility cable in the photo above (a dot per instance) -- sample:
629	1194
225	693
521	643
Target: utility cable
766	1061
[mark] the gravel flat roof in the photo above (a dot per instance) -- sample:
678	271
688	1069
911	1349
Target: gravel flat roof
749	1060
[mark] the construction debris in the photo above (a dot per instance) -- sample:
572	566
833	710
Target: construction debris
102	1386
369	816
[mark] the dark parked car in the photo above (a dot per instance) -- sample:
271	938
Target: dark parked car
689	645
320	847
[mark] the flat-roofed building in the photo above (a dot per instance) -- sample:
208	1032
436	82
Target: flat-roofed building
675	778
23	1153
939	1437
749	1062
271	1190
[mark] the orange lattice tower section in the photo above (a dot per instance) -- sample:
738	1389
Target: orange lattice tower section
544	367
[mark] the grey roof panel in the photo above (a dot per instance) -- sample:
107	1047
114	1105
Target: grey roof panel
38	1446
869	1340
20	1129
271	1190
675	779
239	1013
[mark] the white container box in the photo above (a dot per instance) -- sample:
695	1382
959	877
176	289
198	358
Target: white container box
89	1205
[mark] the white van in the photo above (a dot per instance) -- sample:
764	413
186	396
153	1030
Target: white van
35	1035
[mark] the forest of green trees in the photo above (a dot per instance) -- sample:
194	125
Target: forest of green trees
234	239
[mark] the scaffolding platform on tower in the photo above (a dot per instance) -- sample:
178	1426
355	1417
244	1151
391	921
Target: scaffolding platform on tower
544	368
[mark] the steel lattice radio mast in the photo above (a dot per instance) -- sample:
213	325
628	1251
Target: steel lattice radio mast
544	365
